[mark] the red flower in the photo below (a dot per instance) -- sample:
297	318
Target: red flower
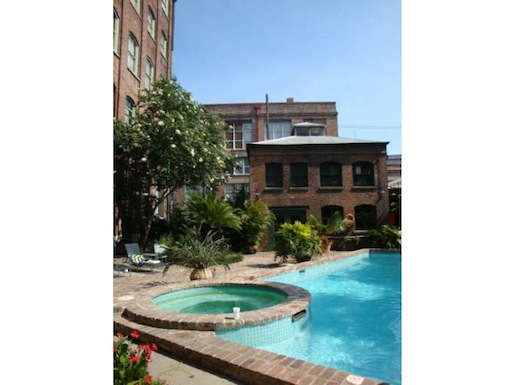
148	379
154	347
114	347
134	334
120	335
135	359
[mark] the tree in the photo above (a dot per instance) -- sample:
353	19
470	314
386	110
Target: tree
170	142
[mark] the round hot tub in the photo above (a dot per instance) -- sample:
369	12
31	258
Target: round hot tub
220	299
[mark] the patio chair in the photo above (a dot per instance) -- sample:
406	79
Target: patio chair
160	251
138	259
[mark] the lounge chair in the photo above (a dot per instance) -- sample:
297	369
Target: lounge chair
160	251
138	259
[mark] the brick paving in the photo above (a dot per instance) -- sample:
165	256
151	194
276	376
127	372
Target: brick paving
201	348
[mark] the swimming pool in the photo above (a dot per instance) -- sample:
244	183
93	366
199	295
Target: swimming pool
354	321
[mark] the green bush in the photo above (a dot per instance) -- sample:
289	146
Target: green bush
388	237
297	240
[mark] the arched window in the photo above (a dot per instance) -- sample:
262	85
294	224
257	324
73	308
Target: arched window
274	175
116	32
365	217
136	4
130	108
164	4
164	45
299	175
133	54
328	211
150	23
149	74
330	174
363	174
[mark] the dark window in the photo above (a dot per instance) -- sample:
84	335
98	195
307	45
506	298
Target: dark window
330	174
274	175
363	174
299	175
365	217
328	211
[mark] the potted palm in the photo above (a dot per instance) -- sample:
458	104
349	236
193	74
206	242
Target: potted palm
336	224
201	253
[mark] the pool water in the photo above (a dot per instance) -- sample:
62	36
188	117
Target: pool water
219	299
355	316
354	321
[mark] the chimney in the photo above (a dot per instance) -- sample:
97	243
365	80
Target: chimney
290	100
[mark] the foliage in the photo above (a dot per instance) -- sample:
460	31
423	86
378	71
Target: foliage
255	216
197	251
166	240
335	225
210	213
172	141
298	240
386	236
131	363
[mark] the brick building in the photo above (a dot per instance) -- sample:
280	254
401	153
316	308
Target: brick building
142	53
142	49
292	159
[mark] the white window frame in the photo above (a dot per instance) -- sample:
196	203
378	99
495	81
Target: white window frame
280	129
164	45
136	4
150	23
149	73
244	129
165	6
129	110
244	167
133	54
116	32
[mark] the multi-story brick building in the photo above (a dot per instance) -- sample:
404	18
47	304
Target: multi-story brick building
142	53
142	49
292	159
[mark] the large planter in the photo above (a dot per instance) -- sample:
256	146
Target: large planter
198	274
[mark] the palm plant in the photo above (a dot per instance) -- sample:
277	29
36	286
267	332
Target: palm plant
210	213
255	216
200	252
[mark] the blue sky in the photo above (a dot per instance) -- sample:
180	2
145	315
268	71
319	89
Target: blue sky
347	51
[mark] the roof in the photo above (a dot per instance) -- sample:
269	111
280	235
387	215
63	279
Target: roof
308	124
304	140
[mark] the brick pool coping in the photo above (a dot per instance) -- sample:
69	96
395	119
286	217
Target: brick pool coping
203	349
142	310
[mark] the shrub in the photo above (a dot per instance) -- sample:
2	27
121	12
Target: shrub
297	240
131	363
386	236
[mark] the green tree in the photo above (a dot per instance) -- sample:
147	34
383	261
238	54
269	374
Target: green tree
170	142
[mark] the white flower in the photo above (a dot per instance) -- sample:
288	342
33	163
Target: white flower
193	152
177	131
160	123
173	145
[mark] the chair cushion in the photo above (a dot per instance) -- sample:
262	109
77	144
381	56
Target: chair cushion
137	259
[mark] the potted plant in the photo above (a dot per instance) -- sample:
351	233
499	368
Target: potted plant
298	240
255	216
201	253
388	237
335	225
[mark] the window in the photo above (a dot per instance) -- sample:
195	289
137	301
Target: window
244	167
116	32
239	134
274	175
330	174
149	74
299	175
236	192
363	174
328	211
365	217
150	23
130	108
164	45
280	129
164	4
136	4
133	54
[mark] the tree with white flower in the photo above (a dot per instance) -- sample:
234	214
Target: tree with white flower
158	149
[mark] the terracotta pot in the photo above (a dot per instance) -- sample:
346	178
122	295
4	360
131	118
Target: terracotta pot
198	274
